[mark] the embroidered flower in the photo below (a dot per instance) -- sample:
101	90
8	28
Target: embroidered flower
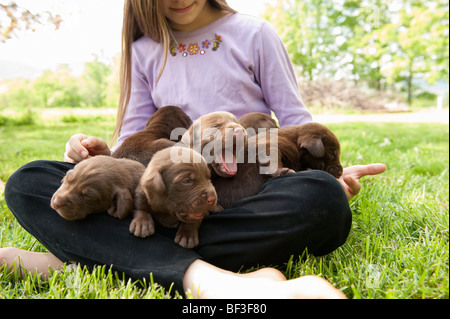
172	48
217	42
181	47
206	44
193	49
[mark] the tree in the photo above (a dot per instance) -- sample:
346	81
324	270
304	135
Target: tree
381	42
96	81
58	89
307	29
366	48
419	42
14	18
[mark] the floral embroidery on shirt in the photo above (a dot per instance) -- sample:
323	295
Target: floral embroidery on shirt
194	48
181	47
206	44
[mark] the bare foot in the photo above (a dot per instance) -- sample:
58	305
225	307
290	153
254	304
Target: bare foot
29	261
268	273
204	281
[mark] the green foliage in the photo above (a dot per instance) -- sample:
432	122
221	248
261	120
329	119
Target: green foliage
78	283
381	42
27	118
95	77
96	87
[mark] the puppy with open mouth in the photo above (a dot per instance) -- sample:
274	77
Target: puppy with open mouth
217	136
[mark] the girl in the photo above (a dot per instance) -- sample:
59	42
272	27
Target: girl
202	56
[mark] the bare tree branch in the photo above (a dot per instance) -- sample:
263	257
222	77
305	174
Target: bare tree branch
14	18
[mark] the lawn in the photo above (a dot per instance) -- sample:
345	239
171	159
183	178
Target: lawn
397	248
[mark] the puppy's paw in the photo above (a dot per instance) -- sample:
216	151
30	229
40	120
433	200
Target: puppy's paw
142	226
122	204
112	211
216	209
286	170
187	239
283	171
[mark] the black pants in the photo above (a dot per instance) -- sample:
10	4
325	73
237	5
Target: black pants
307	210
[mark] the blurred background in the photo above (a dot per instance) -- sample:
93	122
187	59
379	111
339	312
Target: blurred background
370	55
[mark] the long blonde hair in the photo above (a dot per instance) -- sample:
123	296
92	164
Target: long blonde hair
145	18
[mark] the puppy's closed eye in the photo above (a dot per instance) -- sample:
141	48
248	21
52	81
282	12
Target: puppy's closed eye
90	194
68	177
331	153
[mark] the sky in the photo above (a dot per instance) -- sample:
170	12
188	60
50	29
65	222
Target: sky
89	27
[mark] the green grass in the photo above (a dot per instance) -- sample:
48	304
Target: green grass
397	248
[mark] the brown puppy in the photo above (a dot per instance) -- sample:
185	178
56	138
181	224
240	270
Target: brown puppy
175	190
255	121
310	146
155	136
216	136
97	185
245	183
248	177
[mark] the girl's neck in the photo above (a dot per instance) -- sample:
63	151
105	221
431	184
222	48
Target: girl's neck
207	16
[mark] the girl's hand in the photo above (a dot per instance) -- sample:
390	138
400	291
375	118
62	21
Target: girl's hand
81	147
351	175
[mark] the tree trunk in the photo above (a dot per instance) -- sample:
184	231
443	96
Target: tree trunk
410	78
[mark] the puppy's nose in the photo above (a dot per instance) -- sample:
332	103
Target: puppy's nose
239	131
57	203
210	198
336	170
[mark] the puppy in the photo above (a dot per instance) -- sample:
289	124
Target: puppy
244	179
255	121
156	135
175	190
310	146
97	185
216	136
245	183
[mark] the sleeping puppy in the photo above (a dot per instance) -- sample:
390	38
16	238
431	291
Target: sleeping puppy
156	135
97	185
175	190
217	136
255	121
310	146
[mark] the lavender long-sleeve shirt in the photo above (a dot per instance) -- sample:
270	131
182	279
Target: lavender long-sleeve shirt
236	64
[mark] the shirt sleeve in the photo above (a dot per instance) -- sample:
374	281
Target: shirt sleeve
275	74
141	105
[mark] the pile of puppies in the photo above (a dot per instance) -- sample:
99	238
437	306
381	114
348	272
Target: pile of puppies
178	172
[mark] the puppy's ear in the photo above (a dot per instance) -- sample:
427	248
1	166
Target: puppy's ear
155	183
188	137
313	145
